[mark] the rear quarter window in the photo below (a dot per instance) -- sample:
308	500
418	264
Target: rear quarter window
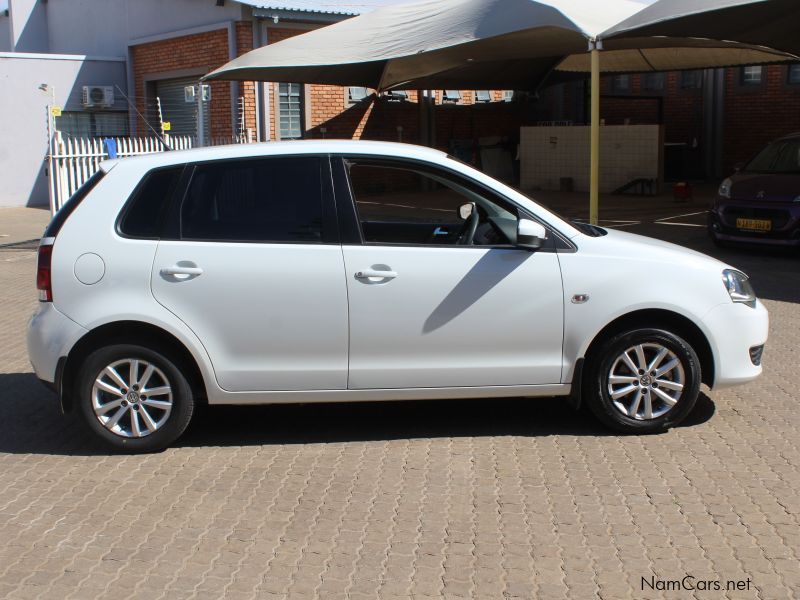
144	211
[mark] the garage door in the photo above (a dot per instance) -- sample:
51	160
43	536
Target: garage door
182	115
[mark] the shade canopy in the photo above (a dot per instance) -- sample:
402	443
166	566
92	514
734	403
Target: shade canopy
516	44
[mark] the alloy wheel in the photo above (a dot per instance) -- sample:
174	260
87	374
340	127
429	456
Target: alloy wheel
646	381
132	398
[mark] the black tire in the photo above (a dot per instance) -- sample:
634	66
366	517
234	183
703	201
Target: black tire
175	421
598	370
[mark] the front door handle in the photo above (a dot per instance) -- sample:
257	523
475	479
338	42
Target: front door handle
178	270
374	274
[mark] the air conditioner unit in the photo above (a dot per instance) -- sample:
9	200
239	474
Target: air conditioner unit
98	96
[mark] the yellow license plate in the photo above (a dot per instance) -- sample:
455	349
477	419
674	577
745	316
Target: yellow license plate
754	224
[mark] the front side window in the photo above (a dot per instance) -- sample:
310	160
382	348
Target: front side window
255	200
400	203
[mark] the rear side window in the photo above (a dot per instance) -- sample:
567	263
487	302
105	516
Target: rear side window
255	200
70	205
143	213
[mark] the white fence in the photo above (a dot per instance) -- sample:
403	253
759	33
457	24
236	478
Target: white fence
74	160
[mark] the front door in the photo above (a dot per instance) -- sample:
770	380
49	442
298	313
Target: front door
436	301
255	273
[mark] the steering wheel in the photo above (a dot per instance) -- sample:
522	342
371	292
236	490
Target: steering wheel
467	235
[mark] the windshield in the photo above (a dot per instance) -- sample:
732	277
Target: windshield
782	156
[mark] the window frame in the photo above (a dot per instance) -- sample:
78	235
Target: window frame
693	84
789	69
350	224
172	227
744	82
649	77
616	89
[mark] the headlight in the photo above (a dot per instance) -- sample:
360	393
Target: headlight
725	188
739	287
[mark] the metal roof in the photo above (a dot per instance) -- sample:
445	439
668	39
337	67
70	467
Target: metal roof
329	7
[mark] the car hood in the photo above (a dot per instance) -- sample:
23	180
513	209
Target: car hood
627	245
761	187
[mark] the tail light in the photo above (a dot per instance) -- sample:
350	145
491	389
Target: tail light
44	282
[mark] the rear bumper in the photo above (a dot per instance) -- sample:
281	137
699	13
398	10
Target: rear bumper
51	335
737	329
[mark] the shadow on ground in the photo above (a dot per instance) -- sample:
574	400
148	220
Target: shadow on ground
30	421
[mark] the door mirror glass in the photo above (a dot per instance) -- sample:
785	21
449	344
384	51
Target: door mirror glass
465	210
530	234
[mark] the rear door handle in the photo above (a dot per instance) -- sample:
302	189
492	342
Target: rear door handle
176	270
372	273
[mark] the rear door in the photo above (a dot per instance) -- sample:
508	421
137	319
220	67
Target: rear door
256	271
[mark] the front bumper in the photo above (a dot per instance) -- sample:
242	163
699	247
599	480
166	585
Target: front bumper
785	230
736	329
51	335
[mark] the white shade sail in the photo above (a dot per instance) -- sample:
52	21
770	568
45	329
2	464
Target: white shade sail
517	43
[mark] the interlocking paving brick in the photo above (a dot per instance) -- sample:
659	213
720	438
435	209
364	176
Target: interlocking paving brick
475	499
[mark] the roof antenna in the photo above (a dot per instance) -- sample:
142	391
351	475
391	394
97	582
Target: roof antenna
160	136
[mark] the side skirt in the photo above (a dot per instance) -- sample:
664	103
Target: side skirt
451	393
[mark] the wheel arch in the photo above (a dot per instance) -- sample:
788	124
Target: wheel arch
655	319
130	332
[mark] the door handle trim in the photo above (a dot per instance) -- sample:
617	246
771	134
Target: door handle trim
176	270
372	273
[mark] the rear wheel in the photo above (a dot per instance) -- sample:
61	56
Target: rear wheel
643	381
133	398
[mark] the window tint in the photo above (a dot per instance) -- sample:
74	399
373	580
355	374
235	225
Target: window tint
261	200
142	216
400	204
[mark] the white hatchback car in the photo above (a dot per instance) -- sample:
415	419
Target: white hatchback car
340	271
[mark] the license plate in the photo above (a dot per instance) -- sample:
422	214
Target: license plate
754	224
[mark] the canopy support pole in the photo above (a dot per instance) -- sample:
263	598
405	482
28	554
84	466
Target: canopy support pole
594	161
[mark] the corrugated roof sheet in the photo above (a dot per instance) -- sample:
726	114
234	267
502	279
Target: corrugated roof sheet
348	7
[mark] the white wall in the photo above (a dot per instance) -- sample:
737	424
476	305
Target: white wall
23	115
627	152
105	27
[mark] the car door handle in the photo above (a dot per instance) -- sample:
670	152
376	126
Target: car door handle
372	273
176	270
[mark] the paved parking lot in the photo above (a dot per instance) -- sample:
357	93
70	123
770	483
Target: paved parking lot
463	499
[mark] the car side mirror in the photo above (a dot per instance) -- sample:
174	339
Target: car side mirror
530	234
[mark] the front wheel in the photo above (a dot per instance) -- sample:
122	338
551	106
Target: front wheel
643	381
133	398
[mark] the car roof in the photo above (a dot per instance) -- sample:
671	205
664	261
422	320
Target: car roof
295	147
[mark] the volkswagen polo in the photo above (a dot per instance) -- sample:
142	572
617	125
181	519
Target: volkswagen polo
326	271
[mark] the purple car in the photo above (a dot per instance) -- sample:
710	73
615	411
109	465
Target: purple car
760	203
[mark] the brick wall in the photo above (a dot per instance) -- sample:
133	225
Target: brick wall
756	115
247	89
202	51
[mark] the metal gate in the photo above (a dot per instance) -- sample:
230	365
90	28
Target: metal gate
180	111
